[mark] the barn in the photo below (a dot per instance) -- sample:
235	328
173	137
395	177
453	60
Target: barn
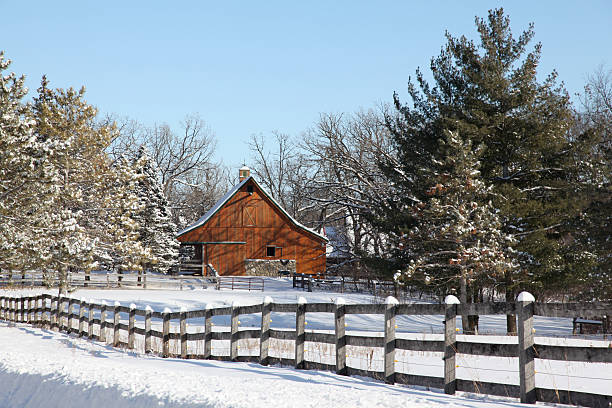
248	233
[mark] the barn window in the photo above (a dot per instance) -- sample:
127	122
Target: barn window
250	189
274	251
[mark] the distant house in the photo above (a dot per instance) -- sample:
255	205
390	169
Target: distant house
338	246
248	232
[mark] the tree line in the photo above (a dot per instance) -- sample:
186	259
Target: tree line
487	181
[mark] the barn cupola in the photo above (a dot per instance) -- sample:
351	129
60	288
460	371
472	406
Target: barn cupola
244	173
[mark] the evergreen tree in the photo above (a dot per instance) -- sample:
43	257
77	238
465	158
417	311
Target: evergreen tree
157	230
18	170
489	93
457	241
84	209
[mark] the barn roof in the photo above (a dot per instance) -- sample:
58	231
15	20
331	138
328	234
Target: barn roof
228	196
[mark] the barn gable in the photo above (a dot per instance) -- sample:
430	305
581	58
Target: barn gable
247	226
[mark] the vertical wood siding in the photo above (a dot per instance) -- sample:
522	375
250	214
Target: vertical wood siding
251	222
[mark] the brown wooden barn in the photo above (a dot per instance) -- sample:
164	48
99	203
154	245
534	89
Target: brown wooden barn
247	232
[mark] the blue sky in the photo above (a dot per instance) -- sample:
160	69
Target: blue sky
255	67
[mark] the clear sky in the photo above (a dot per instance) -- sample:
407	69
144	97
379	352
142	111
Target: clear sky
258	66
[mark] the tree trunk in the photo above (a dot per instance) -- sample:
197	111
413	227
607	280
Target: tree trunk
465	326
63	281
473	319
511	318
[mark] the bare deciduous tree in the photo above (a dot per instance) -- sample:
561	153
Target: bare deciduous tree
348	183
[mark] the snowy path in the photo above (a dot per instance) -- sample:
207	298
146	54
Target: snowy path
44	368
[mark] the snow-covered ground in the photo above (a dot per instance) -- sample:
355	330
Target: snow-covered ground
45	368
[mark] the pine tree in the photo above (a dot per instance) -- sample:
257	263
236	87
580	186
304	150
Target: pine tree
84	209
157	230
490	94
457	241
19	170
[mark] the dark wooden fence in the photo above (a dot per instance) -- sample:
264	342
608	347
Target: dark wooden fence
240	283
80	317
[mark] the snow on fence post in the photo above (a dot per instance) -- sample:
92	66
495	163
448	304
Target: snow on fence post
90	319
390	309
102	336
300	334
234	332
183	328
340	336
450	343
166	334
116	324
131	325
526	352
148	312
82	317
207	331
264	336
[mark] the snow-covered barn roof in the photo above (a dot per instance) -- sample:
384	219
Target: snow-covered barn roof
228	196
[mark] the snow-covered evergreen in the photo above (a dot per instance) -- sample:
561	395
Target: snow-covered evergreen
157	230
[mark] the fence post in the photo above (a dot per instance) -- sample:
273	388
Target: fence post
42	305
70	314
310	284
264	337
90	318
166	334
131	325
27	310
340	337
82	317
300	334
183	328
116	324
22	311
390	310
450	343
2	307
144	279
102	336
36	310
234	332
148	312
524	308
55	313
207	331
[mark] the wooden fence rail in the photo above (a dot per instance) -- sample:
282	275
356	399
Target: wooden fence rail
107	280
79	317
